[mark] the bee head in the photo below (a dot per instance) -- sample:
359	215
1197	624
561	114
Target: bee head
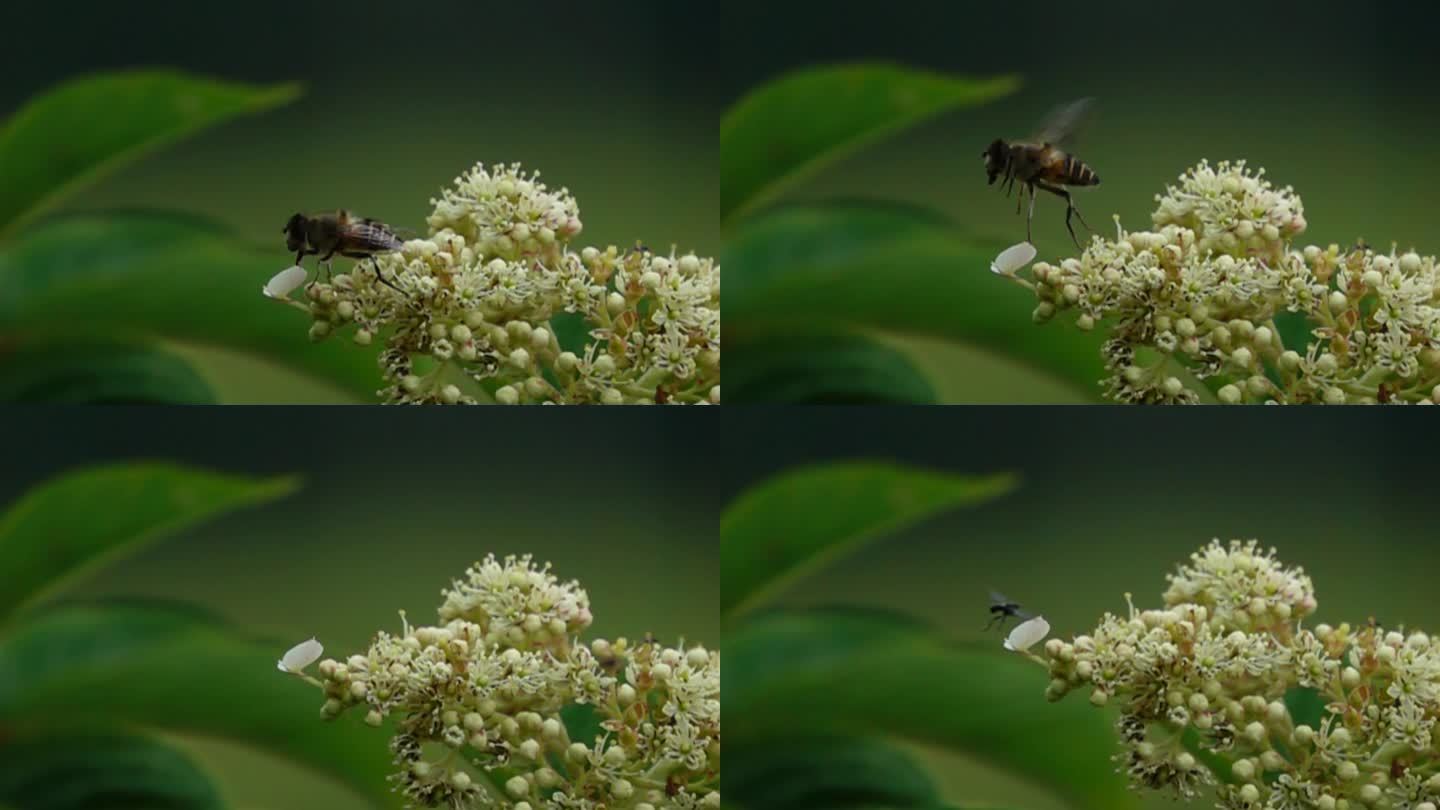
295	232
994	159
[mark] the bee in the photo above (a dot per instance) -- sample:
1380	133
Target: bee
1042	163
1002	609
340	232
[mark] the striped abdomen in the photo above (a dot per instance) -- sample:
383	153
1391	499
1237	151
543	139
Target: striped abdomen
1074	172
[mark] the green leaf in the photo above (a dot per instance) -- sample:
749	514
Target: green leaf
114	772
582	722
791	127
99	373
155	277
866	673
822	368
1306	705
69	525
785	528
174	669
790	773
86	128
845	266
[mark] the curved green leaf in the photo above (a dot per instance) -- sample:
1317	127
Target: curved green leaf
169	668
78	521
148	277
79	131
114	772
859	265
99	373
783	529
822	368
791	127
790	773
858	672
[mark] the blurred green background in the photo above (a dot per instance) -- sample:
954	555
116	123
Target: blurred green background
391	510
1331	97
610	100
1111	500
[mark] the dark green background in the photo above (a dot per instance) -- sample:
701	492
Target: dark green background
608	99
1334	98
1111	499
395	505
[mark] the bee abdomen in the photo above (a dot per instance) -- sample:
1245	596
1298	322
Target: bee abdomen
1078	174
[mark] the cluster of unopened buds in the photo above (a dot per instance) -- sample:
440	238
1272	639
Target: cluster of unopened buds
470	313
490	707
1201	297
1209	688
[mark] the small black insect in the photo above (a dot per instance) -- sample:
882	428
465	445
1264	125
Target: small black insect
1002	608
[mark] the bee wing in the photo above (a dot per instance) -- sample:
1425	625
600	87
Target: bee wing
371	234
997	598
1062	126
1023	614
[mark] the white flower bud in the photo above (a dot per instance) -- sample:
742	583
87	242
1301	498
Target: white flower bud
1027	634
1229	394
1243	769
615	303
302	655
1256	733
1250	793
1338	301
507	395
284	282
517	786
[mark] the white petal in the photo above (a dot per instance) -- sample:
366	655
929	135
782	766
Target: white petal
284	282
300	656
1027	633
1013	258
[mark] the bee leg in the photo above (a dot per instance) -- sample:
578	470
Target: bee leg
1031	216
376	264
1070	210
1020	201
1030	219
324	262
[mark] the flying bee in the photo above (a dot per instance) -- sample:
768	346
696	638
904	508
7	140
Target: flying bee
1002	609
340	232
1043	163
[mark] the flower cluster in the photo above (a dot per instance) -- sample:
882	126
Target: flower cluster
1199	297
467	313
490	706
1209	688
